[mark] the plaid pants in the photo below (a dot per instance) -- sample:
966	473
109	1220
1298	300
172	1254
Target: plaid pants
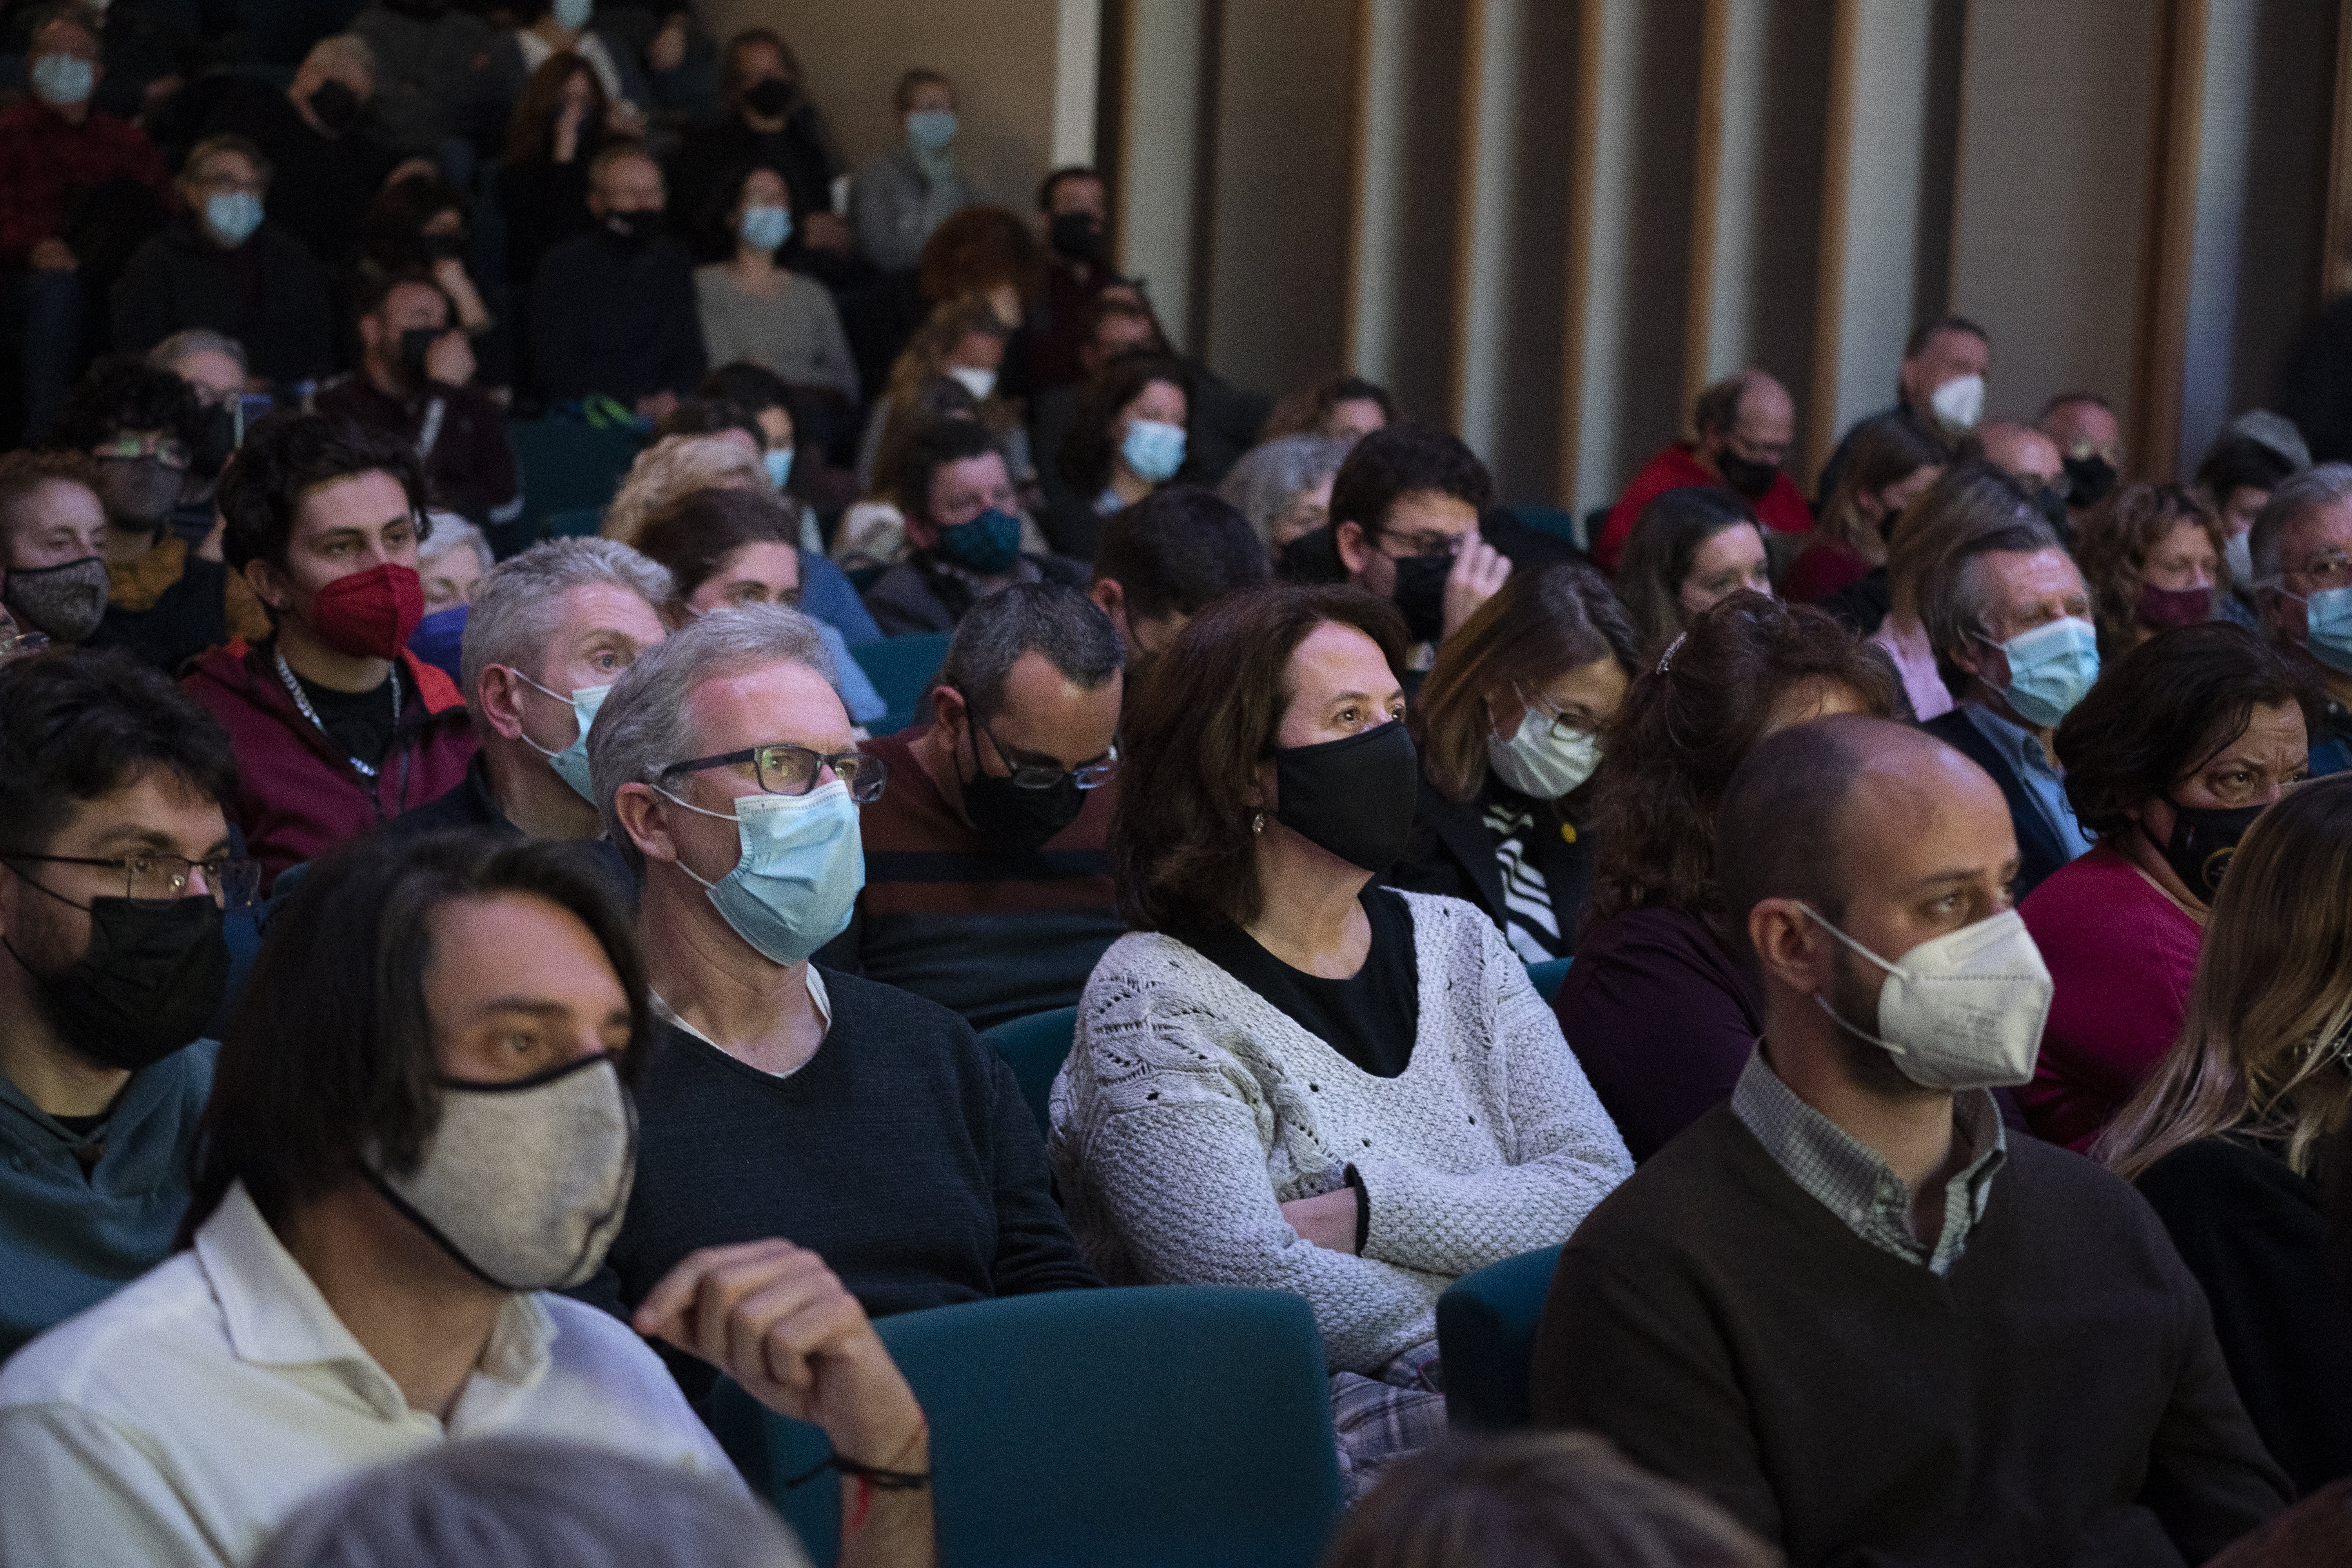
1383	1419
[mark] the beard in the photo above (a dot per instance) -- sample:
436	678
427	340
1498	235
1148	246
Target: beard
45	948
1854	1001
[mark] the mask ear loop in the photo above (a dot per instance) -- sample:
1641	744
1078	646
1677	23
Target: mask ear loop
722	815
1822	1002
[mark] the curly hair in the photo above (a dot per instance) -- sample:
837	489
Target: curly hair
1087	454
24	473
284	457
2112	545
1183	855
977	249
125	393
1671	752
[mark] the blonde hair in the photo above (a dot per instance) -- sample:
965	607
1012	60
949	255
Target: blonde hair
2263	1046
673	467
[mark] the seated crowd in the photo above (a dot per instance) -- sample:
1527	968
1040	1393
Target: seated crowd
467	975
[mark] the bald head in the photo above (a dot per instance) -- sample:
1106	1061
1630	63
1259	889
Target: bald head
2082	425
2022	452
1749	418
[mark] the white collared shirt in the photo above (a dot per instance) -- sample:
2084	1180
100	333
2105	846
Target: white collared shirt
179	1421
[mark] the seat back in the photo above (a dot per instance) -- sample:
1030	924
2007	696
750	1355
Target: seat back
567	465
580	522
1486	1339
1551	519
1036	1047
1160	1425
1549	976
901	670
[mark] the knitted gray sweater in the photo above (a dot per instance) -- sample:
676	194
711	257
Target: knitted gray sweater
1191	1108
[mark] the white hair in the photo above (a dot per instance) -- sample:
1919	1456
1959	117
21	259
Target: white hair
677	466
518	605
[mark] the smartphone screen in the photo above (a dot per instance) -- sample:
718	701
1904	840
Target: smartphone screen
250	407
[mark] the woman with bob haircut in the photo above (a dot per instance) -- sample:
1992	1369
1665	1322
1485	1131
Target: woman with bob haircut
2174	753
1662	1011
2152	555
1509	726
1690	550
1285	1076
1890	462
2233	1138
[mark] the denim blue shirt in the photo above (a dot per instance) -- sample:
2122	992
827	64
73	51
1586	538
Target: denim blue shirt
2045	784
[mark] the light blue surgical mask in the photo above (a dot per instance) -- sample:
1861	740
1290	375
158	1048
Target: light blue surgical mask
573	14
2050	668
778	463
63	81
570	763
233	215
932	129
2327	626
802	867
765	227
1154	451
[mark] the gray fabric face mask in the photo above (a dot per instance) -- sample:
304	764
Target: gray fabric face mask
525	1183
67	602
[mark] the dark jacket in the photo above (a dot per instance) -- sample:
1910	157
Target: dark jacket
1452	852
916	595
610	318
321	185
268	294
469	468
2039	853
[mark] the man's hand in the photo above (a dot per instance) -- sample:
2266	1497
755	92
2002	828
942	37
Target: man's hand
825	231
407	167
451	359
1479	572
1328	1220
54	255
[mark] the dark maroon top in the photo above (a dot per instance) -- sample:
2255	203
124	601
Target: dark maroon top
1662	1015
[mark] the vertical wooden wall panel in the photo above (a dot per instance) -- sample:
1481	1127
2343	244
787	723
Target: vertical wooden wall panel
2160	354
1156	183
1708	154
1592	37
2335	261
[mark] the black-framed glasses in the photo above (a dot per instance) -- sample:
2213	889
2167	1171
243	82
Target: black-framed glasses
783	769
234	880
1425	545
1037	775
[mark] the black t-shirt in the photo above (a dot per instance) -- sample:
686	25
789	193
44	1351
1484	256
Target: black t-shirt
359	724
1371	1017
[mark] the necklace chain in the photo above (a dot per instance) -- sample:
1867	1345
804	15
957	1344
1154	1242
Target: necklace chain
294	690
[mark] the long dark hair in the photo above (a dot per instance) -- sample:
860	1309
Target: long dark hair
1666	539
331	1050
694	535
1087	454
1683	730
1183	853
531	129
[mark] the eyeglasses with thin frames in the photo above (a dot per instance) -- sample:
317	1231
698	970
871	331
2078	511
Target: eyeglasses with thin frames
233	880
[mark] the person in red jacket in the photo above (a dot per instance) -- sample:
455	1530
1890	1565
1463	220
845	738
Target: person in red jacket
337	726
1746	423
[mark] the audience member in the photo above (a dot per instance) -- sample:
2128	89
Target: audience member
1940	388
532	1502
418	225
338	727
326	166
2236	478
432	86
1890	463
1509	727
1344	408
546	637
114	869
1117	324
611	311
1127	440
1535	1500
768	120
1658	1006
962	340
963	525
1164	560
559	124
1030	691
2009	621
419	1130
1693	548
1745	425
2231	1138
753	310
1284	488
553	28
2170	759
55	150
414	382
985	253
873	530
2032	458
1074	220
903	195
1970	498
213	365
52	544
917	1173
2090	442
2301	547
725	548
1286	1077
1845	1305
223	265
1416	487
2152	557
675	467
450	561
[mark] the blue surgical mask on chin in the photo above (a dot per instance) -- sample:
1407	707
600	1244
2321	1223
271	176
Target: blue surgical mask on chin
778	463
2327	626
797	881
2050	668
570	763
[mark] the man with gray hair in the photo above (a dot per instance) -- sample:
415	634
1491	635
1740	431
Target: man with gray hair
2009	621
870	1126
327	170
547	634
2301	547
987	887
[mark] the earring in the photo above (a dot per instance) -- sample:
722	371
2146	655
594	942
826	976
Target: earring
1257	823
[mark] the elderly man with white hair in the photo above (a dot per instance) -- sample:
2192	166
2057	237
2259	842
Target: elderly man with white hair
867	1125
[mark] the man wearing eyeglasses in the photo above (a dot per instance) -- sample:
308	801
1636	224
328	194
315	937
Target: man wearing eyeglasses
2301	545
1404	522
114	868
987	889
778	1099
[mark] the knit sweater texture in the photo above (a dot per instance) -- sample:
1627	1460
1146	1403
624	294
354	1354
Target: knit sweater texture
1191	1108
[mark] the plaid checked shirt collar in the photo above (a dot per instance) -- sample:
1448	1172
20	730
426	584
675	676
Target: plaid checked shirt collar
1855	1184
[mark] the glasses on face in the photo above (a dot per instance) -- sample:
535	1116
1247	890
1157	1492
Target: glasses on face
1425	545
1036	776
233	880
794	770
168	450
1563	727
2333	570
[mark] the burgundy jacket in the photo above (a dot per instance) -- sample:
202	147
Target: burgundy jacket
297	794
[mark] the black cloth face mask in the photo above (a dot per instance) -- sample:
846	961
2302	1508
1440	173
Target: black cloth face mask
1746	478
1420	594
2203	841
633	230
2089	479
336	106
1014	818
414	344
1075	237
1354	797
769	97
154	977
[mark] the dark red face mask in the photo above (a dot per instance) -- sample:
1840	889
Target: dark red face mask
2165	608
369	614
